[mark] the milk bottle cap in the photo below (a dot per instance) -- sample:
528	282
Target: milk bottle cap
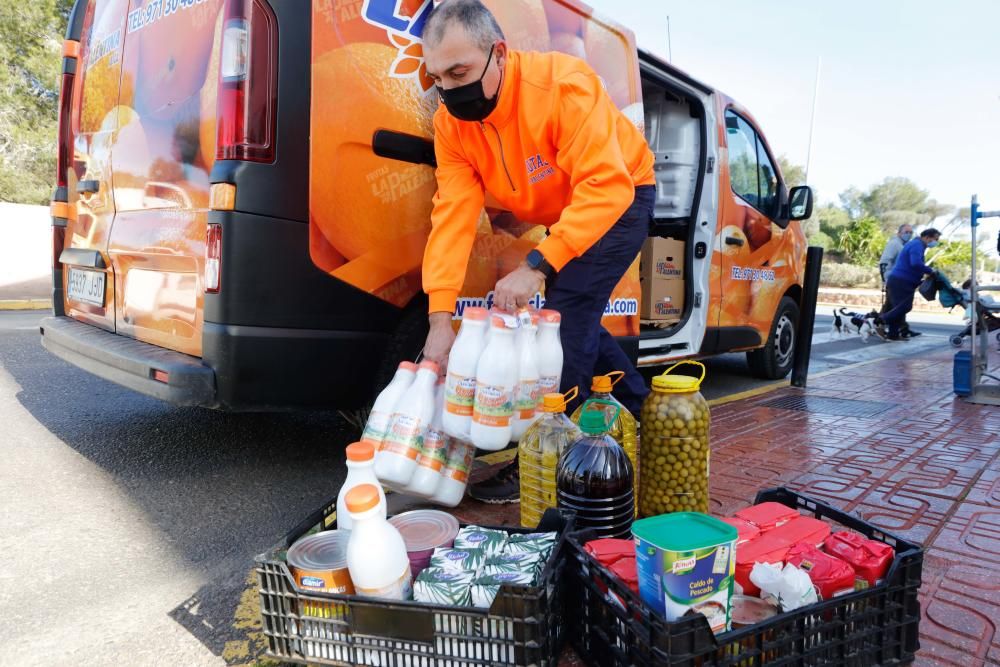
475	313
429	365
408	365
360	451
361	498
550	316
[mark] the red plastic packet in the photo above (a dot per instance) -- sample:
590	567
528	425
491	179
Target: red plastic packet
763	549
609	551
746	530
625	570
869	558
767	516
830	575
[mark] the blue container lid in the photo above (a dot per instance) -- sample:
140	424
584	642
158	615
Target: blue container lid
684	531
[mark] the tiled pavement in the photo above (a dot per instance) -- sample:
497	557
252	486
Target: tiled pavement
927	470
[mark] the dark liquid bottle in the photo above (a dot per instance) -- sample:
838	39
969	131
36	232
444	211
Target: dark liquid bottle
595	479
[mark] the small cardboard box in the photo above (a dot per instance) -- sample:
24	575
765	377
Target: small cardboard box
662	259
662	299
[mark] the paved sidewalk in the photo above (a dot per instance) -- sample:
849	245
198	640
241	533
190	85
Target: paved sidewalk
925	467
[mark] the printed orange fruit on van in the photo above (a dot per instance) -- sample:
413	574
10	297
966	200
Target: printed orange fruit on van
608	54
523	23
365	201
173	52
563	19
764	296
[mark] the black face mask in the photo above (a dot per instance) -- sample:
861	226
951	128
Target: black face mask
469	102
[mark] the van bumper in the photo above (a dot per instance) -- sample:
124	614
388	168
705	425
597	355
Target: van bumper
244	368
129	362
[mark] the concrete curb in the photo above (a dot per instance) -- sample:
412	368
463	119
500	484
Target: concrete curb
26	304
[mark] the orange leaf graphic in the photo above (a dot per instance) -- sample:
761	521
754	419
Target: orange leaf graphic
406	66
399	40
415	50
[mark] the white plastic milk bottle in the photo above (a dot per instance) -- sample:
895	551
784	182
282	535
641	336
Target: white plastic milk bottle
385	404
496	377
433	452
460	385
360	470
550	352
376	553
396	461
455	473
526	394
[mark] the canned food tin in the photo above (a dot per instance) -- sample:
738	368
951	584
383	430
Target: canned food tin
319	562
424	531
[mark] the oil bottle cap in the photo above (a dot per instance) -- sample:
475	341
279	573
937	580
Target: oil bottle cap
678	384
475	313
360	451
429	365
556	402
550	316
592	422
361	498
603	383
408	365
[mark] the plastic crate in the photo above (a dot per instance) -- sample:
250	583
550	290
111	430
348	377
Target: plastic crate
875	626
523	627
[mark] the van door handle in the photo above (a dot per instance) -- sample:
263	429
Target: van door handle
731	240
88	187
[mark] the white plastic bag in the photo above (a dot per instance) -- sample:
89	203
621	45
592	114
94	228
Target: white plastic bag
789	587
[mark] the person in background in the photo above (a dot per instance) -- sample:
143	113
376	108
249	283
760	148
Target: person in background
539	133
885	265
904	279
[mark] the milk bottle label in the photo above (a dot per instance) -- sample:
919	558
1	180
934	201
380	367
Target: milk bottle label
548	384
375	428
460	456
493	405
527	399
459	394
433	450
403	436
400	589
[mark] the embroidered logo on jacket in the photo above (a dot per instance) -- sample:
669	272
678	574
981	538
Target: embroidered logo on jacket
538	168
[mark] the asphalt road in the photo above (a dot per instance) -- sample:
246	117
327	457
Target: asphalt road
129	526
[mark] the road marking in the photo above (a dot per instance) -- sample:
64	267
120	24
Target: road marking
26	304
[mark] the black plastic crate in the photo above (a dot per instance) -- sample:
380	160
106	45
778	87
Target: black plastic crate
875	626
524	626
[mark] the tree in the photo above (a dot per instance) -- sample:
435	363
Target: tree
832	220
863	242
793	174
852	201
31	35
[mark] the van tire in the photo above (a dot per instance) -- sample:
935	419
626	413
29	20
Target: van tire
774	360
406	343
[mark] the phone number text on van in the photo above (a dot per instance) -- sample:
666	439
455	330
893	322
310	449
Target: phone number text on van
157	9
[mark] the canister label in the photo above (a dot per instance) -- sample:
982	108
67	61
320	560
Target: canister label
493	405
328	581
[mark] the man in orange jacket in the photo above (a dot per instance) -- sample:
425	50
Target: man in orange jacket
540	134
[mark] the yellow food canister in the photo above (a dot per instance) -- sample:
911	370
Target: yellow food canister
674	455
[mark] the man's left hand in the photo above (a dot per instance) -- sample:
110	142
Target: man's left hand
517	288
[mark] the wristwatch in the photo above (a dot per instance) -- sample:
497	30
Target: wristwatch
536	260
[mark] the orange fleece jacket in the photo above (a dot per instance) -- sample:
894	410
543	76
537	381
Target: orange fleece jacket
555	151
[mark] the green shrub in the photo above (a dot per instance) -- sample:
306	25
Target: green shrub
849	275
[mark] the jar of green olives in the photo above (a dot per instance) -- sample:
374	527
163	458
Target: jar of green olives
674	451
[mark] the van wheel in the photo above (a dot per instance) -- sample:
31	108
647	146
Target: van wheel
774	360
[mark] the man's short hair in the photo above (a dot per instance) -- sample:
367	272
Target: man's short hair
904	226
478	21
929	232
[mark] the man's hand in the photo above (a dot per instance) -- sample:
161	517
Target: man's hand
440	338
517	288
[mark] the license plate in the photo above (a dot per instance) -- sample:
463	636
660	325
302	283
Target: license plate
86	286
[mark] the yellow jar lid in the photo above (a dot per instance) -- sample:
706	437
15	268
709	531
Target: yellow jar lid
678	384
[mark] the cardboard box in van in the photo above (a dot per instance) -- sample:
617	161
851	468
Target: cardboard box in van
662	258
662	299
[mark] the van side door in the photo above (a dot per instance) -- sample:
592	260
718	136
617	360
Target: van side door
743	247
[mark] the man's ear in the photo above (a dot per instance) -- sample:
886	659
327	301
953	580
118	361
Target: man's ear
501	53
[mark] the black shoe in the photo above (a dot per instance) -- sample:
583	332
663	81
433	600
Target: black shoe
501	489
895	337
910	333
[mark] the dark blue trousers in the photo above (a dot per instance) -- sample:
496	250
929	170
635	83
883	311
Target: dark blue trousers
901	297
580	293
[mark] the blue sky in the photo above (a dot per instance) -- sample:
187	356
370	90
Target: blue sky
907	88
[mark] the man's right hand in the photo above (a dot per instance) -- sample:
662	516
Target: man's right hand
440	338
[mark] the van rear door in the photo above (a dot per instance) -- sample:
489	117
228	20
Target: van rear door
88	276
163	151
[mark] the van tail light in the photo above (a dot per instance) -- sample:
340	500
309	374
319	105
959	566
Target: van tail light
248	90
213	259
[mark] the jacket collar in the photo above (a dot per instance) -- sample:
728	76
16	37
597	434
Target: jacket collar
508	90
